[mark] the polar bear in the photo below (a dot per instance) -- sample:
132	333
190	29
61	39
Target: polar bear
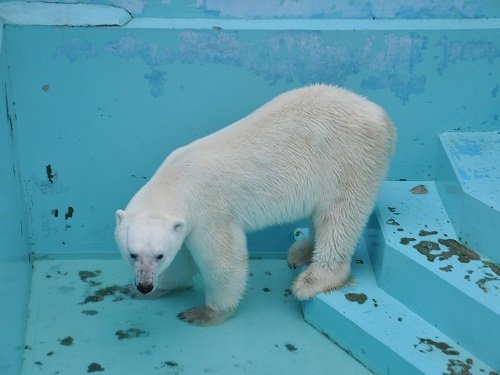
319	152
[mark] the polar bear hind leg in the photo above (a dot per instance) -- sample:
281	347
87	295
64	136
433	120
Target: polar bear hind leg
337	227
301	253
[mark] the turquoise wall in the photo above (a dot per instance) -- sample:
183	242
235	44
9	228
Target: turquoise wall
15	269
104	106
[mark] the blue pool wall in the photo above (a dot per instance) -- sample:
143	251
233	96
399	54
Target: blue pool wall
102	107
88	113
15	268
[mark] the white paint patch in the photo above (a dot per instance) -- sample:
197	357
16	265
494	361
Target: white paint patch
51	14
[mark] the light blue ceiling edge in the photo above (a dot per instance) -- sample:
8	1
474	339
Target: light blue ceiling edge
53	14
78	14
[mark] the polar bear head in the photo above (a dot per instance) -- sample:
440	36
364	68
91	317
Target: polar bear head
149	242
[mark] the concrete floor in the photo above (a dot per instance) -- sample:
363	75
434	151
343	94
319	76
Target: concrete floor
82	321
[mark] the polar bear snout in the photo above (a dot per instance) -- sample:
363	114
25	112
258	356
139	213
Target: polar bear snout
144	288
144	277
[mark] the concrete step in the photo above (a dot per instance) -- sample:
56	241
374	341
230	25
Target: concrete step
384	334
418	260
469	184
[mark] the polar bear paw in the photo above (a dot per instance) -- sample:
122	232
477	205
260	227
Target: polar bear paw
316	280
204	316
300	253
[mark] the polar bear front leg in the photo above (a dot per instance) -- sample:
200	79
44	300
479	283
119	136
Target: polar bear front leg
179	275
221	256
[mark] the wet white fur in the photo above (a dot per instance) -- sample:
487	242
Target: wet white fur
318	152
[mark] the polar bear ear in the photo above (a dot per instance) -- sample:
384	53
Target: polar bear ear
120	215
179	225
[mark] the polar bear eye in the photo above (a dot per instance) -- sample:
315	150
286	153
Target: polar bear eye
133	255
159	257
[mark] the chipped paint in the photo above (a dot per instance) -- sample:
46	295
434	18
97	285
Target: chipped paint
459	367
468	147
402	86
492	266
156	80
130	333
67	341
406	240
86	275
392	222
305	56
430	345
95	367
424	233
170	364
455	248
76	48
340	8
482	283
448	268
356	297
50	173
69	213
100	294
463	253
89	312
426	247
494	91
454	51
432	251
419	190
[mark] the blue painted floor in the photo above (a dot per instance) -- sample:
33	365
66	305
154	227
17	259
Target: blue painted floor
81	320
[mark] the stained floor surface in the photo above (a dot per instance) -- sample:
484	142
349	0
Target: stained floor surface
82	320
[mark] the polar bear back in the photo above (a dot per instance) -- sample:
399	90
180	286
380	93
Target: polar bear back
300	150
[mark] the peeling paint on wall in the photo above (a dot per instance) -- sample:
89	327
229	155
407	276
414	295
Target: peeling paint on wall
271	8
467	147
303	56
454	51
284	56
341	8
494	91
76	48
156	81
